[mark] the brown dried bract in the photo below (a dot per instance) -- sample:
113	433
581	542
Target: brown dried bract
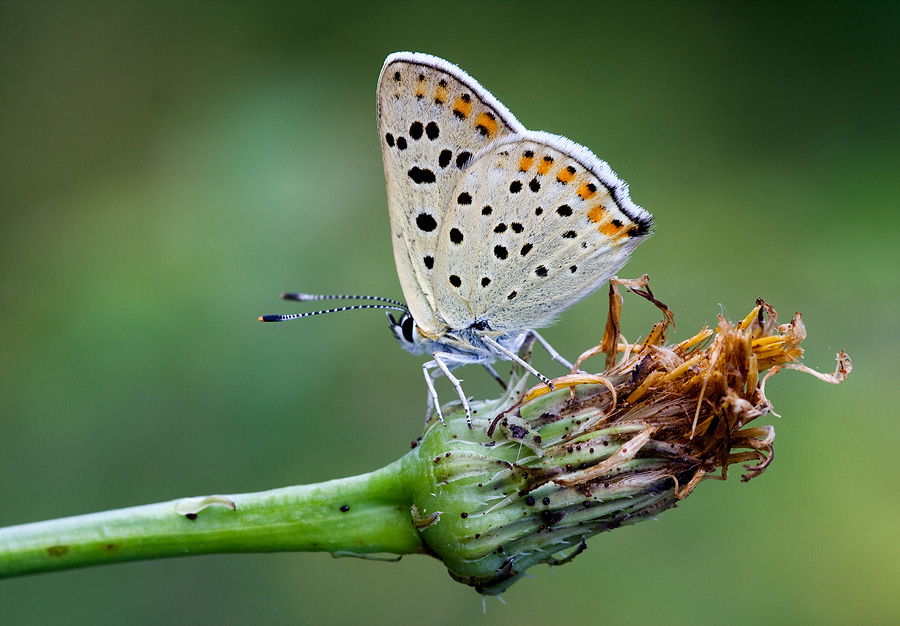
692	400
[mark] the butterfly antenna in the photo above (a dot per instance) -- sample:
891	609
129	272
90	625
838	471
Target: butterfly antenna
309	297
294	316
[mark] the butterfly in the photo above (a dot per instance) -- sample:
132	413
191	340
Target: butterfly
496	229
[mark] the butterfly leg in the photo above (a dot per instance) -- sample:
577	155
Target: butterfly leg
429	407
441	359
512	356
433	401
455	382
438	363
556	356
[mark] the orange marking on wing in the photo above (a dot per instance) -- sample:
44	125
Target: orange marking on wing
463	107
440	95
486	123
526	162
597	213
586	191
566	175
609	229
544	166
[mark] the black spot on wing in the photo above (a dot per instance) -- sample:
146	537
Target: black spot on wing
426	222
421	176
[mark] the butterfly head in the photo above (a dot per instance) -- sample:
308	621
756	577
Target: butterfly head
407	332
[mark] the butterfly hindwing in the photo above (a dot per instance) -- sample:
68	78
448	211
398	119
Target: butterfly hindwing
535	224
432	118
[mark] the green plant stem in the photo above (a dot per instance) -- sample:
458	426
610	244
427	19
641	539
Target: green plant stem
376	519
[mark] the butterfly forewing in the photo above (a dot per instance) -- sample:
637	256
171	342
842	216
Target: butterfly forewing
535	224
432	118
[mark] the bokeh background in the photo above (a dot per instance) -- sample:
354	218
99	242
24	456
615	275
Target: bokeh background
167	169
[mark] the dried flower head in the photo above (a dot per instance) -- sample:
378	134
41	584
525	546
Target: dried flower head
544	470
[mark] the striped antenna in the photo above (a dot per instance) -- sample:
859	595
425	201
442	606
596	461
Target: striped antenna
309	297
294	316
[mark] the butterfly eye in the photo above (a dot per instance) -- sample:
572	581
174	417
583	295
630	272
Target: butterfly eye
407	324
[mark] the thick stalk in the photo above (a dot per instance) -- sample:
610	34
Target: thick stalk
364	514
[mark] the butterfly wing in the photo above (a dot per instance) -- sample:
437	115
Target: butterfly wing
432	118
536	222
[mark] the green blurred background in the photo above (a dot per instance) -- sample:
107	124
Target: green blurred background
167	169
